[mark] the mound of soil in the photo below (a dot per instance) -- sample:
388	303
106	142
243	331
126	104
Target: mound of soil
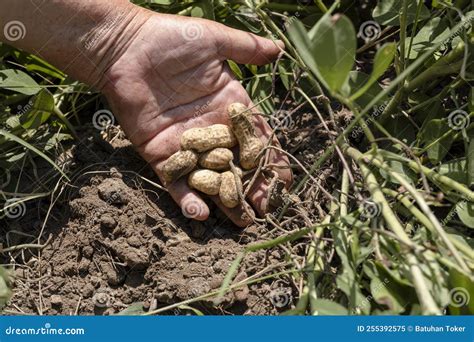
116	240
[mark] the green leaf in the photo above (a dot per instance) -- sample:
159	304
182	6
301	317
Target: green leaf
283	73
383	59
190	308
203	9
18	81
357	80
465	211
402	169
334	49
433	32
389	289
402	129
387	12
430	136
135	309
336	37
461	292
455	169
347	281
33	149
470	164
299	37
326	307
37	110
235	69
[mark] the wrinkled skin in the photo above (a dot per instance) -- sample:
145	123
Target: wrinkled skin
173	76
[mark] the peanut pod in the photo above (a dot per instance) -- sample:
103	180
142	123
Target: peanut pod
204	139
179	164
216	159
228	192
206	181
244	129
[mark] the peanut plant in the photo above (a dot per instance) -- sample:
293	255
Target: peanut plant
380	218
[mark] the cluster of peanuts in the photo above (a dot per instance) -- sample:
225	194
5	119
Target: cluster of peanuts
207	158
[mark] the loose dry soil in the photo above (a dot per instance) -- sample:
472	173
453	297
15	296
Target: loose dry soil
114	239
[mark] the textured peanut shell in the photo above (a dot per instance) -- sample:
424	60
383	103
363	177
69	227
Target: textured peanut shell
228	192
179	164
205	139
216	159
206	181
244	129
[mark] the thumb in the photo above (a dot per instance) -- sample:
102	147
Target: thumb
247	48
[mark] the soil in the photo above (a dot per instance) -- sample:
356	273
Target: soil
114	240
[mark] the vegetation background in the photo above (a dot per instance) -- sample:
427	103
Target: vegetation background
391	83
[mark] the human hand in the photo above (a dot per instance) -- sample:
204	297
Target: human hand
172	76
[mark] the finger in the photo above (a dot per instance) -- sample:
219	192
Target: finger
259	192
247	48
237	215
191	204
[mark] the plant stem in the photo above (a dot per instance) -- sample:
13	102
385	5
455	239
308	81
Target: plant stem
426	300
418	198
446	65
435	177
403	199
403	33
321	6
413	31
290	7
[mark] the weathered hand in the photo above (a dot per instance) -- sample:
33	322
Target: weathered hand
172	76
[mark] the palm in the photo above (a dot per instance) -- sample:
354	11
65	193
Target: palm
170	80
